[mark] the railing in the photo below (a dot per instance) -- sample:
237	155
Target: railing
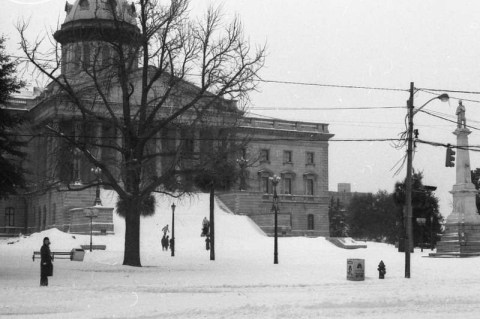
285	125
294	198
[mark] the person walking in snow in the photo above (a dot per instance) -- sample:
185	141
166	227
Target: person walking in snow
46	266
164	243
205	226
165	230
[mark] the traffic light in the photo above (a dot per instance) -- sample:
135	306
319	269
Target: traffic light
450	160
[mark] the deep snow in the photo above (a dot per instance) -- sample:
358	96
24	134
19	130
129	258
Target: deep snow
309	281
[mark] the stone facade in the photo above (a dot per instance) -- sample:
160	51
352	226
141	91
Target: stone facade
295	151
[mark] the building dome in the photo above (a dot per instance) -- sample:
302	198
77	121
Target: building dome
89	20
89	30
100	9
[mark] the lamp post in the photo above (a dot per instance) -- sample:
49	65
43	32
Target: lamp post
172	243
431	235
91	213
275	179
408	180
97	171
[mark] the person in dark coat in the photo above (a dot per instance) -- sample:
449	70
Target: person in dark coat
164	243
46	266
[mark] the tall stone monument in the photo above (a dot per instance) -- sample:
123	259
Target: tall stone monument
461	237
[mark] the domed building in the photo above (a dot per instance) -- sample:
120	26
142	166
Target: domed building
91	27
91	37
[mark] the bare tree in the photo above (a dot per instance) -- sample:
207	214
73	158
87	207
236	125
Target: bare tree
140	88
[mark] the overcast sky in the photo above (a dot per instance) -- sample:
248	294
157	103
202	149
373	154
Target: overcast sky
369	43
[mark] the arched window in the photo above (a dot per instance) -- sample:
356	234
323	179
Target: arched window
310	222
39	218
54	213
84	5
112	4
86	55
9	216
44	220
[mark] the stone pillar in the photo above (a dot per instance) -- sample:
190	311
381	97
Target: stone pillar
462	228
464	192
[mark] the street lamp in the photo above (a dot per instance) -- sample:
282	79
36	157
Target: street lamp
91	213
431	236
408	181
172	241
97	171
275	179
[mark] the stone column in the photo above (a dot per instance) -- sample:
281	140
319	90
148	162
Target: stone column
464	192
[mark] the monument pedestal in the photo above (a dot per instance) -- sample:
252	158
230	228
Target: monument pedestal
461	237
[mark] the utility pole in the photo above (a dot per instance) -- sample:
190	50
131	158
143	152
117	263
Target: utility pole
408	182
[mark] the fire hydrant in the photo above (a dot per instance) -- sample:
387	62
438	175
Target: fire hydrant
381	270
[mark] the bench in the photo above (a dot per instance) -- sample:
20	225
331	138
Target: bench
58	254
94	247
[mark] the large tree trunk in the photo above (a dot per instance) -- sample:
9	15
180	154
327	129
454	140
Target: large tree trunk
132	236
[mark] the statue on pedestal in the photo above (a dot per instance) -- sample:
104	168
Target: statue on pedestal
461	119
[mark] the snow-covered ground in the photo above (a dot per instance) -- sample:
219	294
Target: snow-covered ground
309	281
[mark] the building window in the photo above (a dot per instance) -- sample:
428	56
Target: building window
44	220
310	158
86	55
265	185
112	4
106	56
287	185
309	187
9	216
287	157
84	5
39	217
54	213
264	155
310	222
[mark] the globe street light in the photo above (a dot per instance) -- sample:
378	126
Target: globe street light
408	180
275	179
97	171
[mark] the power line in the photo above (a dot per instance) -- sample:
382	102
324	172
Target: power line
273	108
449	120
333	85
451	91
474	148
451	97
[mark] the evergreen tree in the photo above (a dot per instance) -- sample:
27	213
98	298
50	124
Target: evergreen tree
372	216
11	172
336	216
424	205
